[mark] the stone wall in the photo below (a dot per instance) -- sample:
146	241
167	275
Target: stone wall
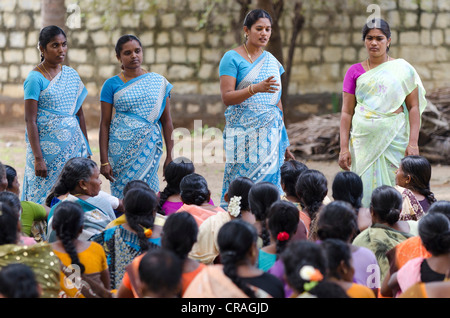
186	48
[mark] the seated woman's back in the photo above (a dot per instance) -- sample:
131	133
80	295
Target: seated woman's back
196	198
88	257
124	242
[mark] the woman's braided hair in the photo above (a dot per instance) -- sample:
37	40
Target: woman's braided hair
68	222
235	239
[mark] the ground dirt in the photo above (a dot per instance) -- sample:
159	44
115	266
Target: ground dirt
12	152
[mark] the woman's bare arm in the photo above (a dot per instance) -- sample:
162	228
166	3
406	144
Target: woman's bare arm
31	107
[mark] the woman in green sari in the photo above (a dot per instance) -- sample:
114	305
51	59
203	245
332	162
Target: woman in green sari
39	257
387	230
383	99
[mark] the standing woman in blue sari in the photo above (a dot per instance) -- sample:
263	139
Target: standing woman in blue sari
131	142
255	138
55	124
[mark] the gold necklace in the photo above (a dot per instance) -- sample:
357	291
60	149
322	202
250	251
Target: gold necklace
248	54
48	73
124	78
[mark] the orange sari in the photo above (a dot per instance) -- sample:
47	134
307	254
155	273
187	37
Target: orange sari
200	213
405	251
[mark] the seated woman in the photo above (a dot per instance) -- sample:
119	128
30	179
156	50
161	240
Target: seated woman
312	189
34	216
237	276
160	274
289	172
283	220
261	196
123	243
39	257
206	249
340	268
412	179
347	186
179	235
14	202
305	264
413	247
387	230
434	231
196	198
337	220
88	256
18	281
170	198
80	178
133	184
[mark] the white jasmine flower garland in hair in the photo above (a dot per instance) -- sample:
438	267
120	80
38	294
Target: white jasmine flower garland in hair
234	207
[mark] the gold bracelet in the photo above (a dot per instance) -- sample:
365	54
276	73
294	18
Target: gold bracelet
343	153
248	88
251	87
104	164
413	147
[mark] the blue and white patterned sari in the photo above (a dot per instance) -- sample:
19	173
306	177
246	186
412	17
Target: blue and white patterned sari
135	137
59	131
255	138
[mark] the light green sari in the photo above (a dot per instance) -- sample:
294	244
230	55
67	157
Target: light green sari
379	136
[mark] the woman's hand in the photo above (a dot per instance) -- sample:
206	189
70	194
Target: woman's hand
345	160
266	86
107	172
412	151
166	162
288	155
40	168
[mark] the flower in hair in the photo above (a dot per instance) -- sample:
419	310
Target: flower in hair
311	275
147	232
283	236
234	207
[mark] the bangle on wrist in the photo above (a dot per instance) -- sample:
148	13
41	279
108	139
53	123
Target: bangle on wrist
251	87
250	90
104	164
413	147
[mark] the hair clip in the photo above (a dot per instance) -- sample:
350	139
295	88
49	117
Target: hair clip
283	236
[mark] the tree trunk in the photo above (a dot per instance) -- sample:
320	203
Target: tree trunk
274	8
275	46
239	25
297	23
53	12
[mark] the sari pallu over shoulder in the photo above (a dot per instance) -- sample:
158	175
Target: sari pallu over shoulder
135	139
95	220
59	131
379	136
255	138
